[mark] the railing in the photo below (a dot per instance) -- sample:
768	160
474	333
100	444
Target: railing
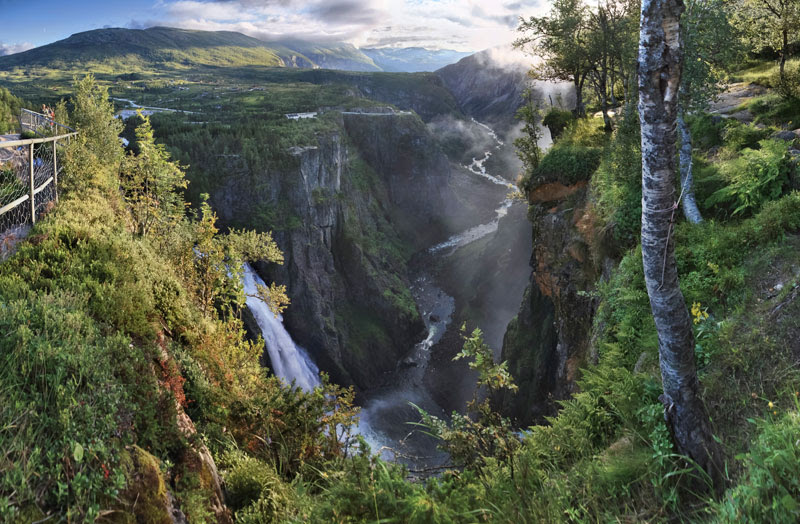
29	173
41	125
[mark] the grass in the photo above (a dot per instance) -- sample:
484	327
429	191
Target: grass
573	158
761	72
773	109
89	307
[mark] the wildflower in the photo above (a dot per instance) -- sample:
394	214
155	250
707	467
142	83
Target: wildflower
698	313
771	405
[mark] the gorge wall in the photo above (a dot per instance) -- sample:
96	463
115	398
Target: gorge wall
353	209
550	338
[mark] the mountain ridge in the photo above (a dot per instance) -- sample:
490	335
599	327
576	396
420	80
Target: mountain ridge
160	46
183	48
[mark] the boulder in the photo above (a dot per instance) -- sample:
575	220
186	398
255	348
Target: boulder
787	136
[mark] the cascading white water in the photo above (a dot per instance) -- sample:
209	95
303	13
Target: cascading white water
478	167
289	361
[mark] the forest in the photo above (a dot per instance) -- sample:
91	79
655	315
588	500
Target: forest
132	389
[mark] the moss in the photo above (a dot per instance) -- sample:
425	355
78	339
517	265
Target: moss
145	498
364	329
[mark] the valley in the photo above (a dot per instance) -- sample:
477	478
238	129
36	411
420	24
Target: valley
330	269
363	177
393	208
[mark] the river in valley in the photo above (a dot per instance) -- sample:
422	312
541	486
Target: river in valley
389	413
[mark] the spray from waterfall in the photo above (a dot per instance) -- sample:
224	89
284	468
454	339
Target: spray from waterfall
290	362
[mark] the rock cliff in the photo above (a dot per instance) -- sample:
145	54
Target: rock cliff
550	338
348	213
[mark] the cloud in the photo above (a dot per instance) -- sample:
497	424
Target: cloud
464	25
10	49
351	12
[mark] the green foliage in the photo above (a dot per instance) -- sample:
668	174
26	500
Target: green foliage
527	145
568	164
10	186
711	46
772	109
740	136
572	159
369	490
482	434
493	376
706	132
58	433
617	185
151	182
96	150
10	107
254	490
557	120
788	84
753	178
769	490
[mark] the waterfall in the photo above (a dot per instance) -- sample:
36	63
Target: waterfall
289	361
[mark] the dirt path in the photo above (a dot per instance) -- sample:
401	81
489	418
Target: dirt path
733	97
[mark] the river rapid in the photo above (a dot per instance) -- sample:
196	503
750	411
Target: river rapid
389	414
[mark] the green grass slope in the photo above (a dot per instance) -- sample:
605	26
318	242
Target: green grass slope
164	47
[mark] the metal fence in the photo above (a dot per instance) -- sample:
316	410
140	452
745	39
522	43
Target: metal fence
42	125
29	172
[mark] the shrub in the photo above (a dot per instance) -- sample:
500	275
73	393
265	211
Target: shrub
770	489
788	85
753	178
617	185
776	110
707	130
568	164
255	486
740	136
557	120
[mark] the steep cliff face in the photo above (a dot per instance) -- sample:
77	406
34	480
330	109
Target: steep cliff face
491	86
485	89
550	338
430	198
348	214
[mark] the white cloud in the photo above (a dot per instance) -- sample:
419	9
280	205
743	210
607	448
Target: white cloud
10	49
465	25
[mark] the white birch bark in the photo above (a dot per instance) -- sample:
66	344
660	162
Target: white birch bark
660	61
689	202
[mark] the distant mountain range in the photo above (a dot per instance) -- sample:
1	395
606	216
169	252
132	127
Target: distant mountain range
412	59
142	49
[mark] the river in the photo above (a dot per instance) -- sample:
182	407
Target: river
388	414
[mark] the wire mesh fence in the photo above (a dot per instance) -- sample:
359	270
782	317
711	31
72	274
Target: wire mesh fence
28	181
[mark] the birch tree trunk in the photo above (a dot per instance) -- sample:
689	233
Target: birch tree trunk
660	61
580	110
690	210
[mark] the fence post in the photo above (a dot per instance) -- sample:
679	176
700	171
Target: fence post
33	196
55	169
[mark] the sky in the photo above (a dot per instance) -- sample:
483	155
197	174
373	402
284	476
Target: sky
463	25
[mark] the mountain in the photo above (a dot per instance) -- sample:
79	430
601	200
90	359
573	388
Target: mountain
412	59
341	56
488	87
139	49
